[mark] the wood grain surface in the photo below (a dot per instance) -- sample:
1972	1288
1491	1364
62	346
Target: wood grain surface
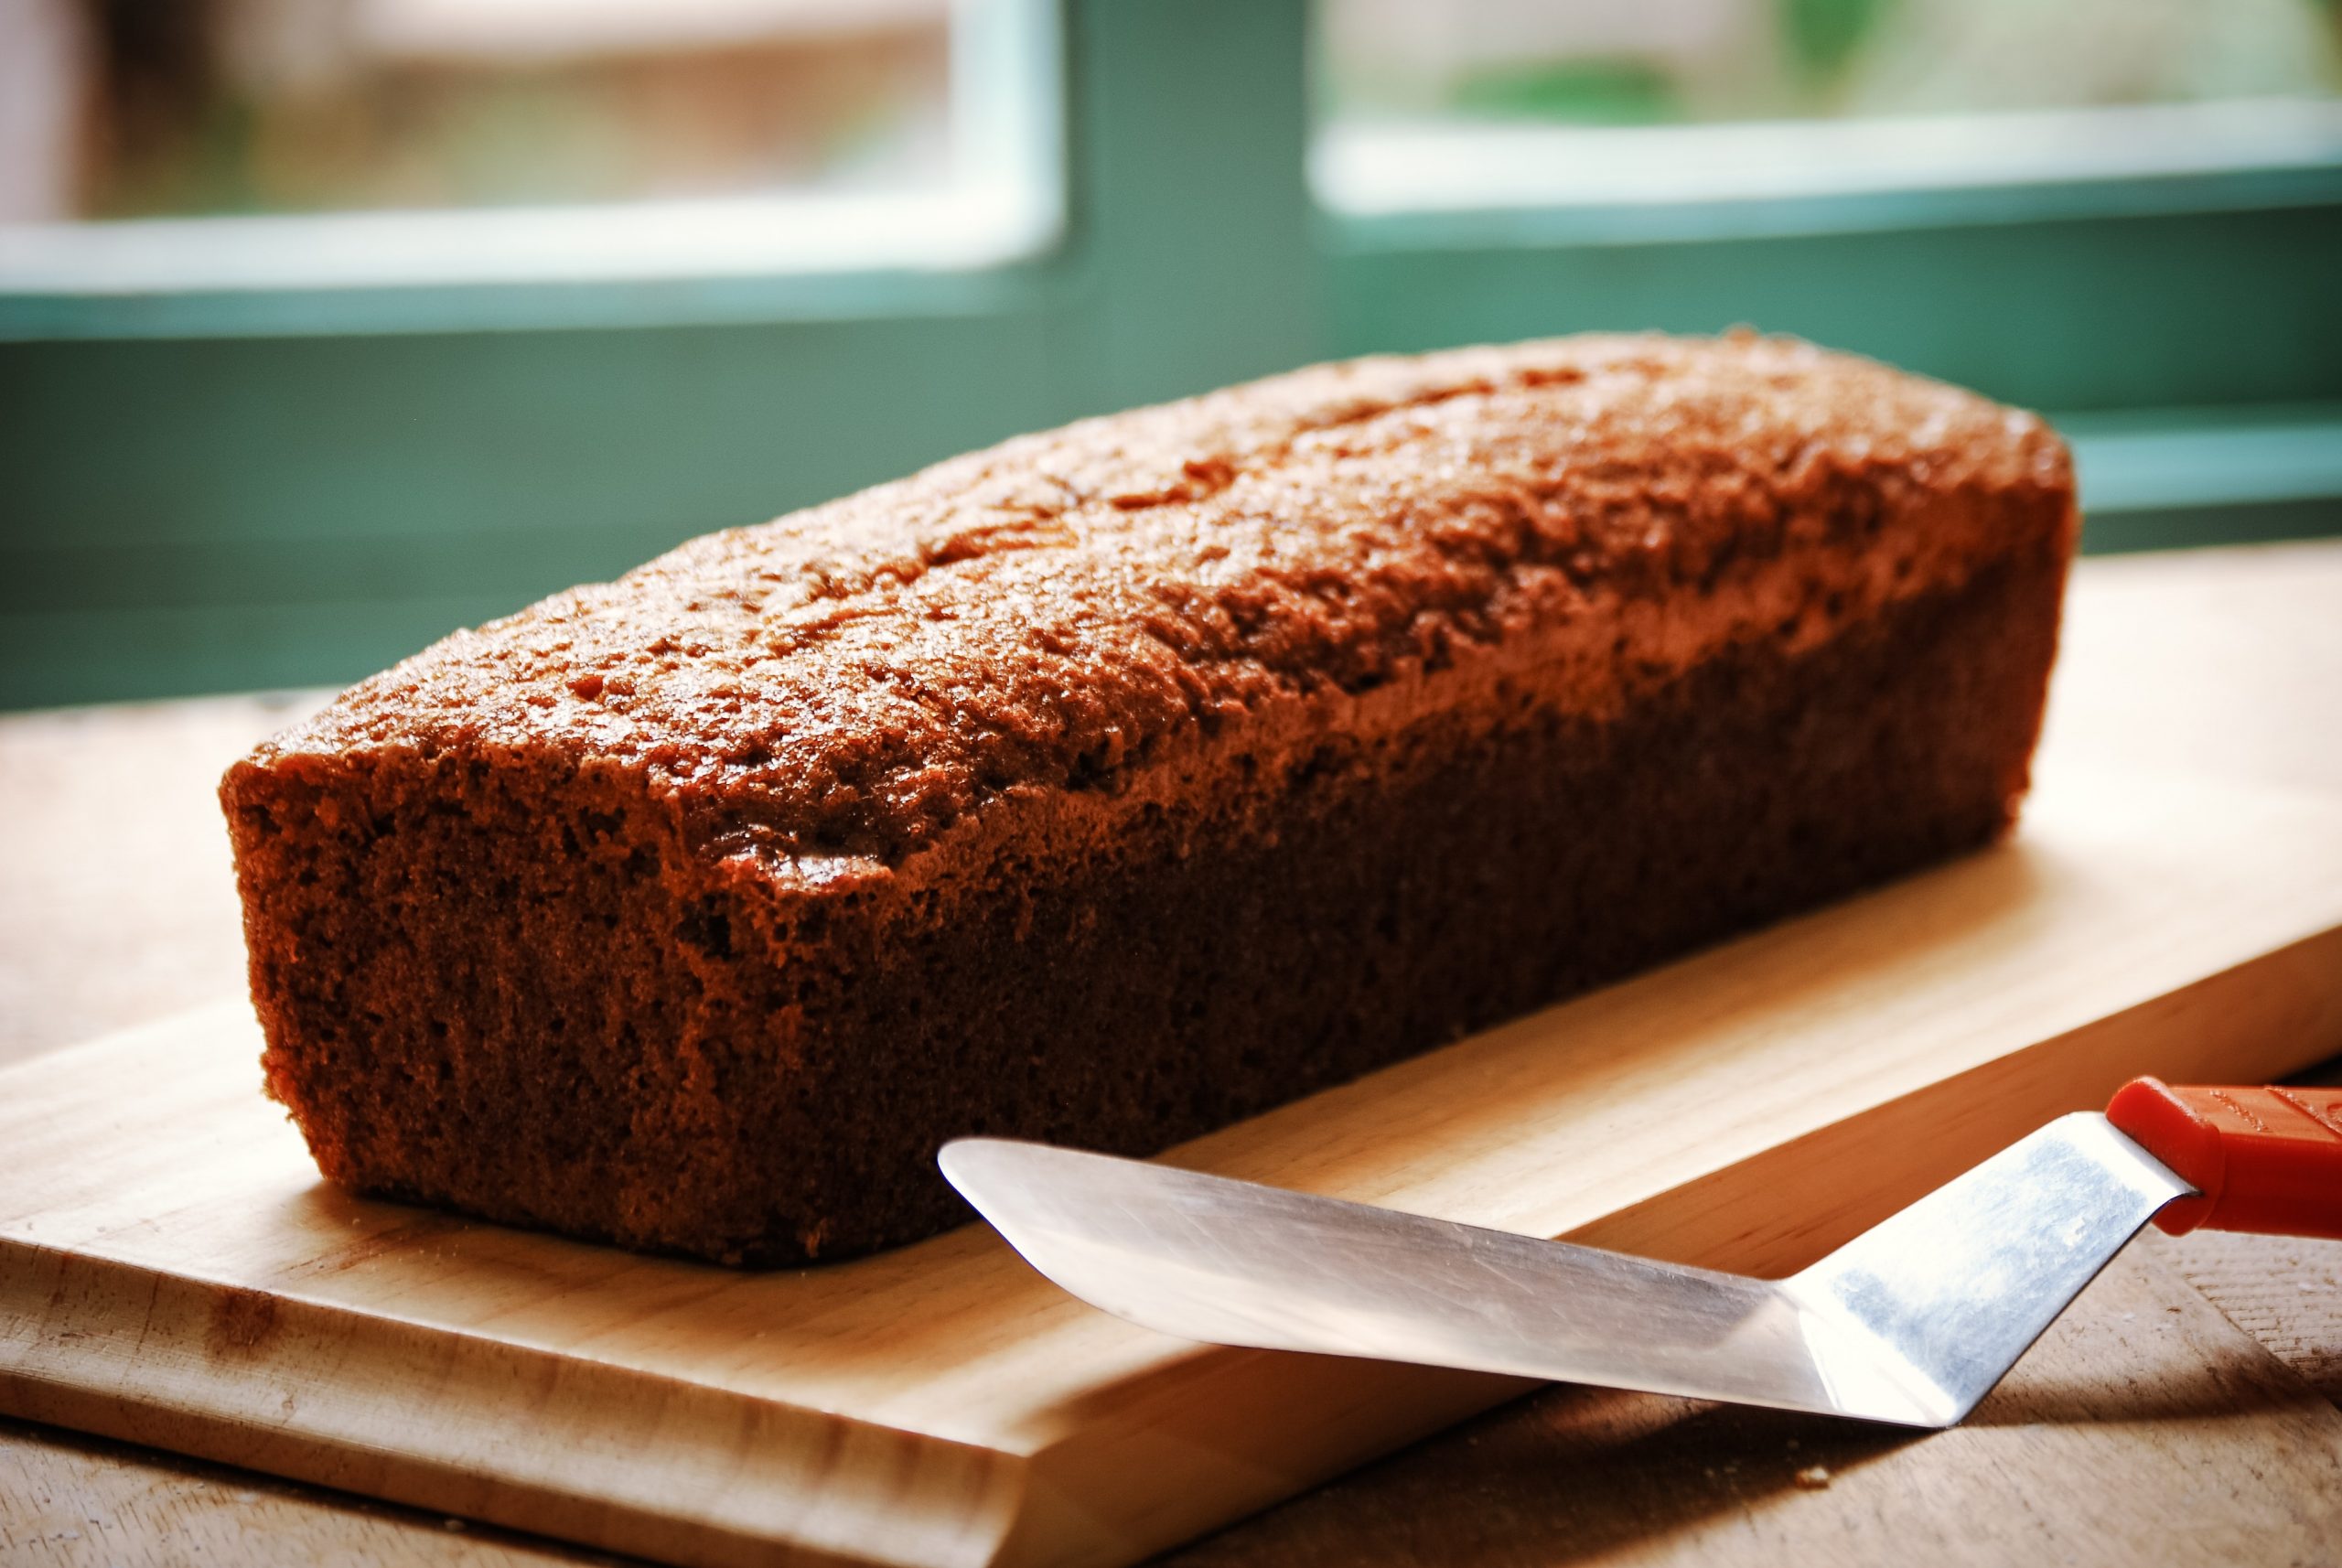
119	904
172	1272
2146	1428
2237	647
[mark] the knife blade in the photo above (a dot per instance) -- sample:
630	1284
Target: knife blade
1913	1322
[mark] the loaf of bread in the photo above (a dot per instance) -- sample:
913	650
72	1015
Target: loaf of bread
1117	782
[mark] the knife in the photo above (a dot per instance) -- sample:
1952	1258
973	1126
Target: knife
1912	1322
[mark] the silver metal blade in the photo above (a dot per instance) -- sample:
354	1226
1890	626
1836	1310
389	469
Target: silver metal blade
1960	1284
1883	1333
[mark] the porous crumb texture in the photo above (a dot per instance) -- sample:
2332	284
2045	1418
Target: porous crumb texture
1119	781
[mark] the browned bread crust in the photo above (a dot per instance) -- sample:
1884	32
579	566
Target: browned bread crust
1120	781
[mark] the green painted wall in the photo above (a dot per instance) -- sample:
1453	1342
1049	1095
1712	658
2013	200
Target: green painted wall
204	495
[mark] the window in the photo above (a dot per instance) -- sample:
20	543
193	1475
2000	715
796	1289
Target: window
288	145
288	433
1654	62
1617	119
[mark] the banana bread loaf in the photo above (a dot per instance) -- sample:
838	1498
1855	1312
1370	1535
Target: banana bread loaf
1120	781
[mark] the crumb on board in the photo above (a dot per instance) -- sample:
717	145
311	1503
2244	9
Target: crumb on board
1814	1477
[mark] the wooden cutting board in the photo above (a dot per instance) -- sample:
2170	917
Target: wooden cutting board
172	1273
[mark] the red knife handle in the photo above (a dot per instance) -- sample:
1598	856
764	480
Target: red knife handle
2264	1159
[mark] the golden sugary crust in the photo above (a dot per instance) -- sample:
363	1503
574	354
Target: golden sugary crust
856	678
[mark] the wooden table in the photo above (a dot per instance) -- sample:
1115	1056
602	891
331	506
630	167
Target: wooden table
2184	1411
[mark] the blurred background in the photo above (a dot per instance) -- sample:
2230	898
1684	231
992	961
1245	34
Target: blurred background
328	326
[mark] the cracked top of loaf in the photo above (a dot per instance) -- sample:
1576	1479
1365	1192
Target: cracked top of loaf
1053	612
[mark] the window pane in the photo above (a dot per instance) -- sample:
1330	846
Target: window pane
1611	63
144	108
